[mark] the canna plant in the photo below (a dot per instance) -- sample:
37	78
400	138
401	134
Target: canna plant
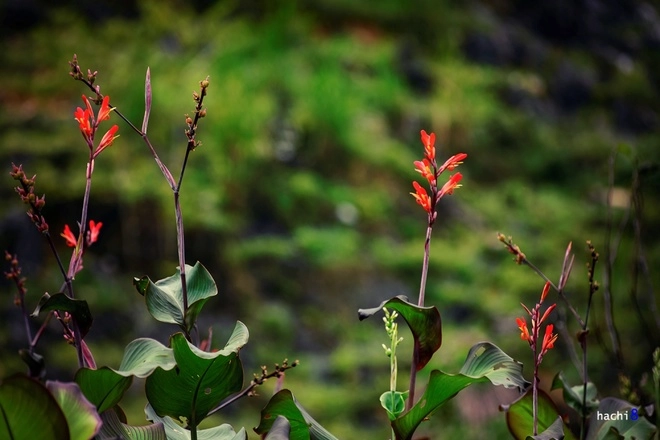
191	378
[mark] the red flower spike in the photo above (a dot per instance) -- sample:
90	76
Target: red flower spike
71	239
107	140
524	333
94	229
545	291
84	122
451	185
424	168
429	145
421	197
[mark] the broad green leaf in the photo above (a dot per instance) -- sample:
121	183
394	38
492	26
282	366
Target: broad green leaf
78	308
618	419
424	323
30	411
282	404
83	419
114	427
394	403
484	362
302	424
573	395
104	388
519	415
200	381
175	431
164	297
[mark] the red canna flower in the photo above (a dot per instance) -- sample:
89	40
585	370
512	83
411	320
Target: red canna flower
94	229
451	185
71	239
548	339
451	163
424	168
85	118
422	197
104	111
429	145
524	333
107	140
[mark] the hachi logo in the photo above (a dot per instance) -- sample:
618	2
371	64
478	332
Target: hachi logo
633	415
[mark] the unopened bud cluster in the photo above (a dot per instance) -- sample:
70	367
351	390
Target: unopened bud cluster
191	123
27	195
14	274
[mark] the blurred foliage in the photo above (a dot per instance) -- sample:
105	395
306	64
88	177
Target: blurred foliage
297	201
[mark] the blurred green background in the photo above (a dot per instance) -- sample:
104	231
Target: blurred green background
297	201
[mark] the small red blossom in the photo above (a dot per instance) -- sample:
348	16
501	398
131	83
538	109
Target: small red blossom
94	229
104	111
451	163
424	168
524	333
548	339
107	140
429	145
545	290
71	239
547	312
451	185
421	197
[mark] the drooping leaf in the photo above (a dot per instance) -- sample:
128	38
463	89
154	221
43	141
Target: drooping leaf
143	355
484	362
554	432
164	297
519	416
625	421
175	431
280	430
104	388
113	428
24	401
573	394
200	381
424	322
282	404
81	415
78	308
34	361
302	424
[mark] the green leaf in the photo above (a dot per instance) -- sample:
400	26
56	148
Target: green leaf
78	308
114	427
282	404
519	415
573	395
394	403
200	380
620	424
164	298
303	425
24	401
484	362
280	430
104	388
83	419
424	323
175	431
554	431
143	355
